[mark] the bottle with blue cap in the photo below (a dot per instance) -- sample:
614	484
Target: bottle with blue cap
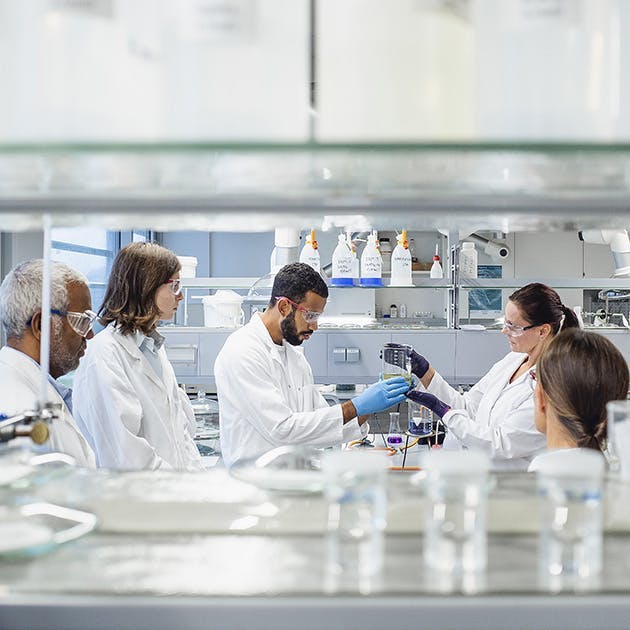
371	263
342	262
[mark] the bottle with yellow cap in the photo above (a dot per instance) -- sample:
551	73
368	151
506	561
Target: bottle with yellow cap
310	253
401	262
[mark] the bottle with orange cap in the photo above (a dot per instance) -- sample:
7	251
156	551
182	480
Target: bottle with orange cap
401	262
310	253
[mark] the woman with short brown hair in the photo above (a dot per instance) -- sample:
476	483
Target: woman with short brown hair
126	398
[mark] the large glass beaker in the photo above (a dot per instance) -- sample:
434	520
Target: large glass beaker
396	361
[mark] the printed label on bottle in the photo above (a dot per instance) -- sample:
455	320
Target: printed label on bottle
528	13
402	262
371	266
343	267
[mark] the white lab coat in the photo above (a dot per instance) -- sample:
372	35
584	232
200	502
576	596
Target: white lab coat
19	391
132	418
268	400
561	456
495	416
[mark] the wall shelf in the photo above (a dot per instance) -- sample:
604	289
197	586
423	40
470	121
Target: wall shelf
249	187
556	283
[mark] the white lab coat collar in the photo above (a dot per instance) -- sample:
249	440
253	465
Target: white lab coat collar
129	344
154	340
261	330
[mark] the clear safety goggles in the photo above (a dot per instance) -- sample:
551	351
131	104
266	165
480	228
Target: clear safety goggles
516	331
175	284
310	317
81	323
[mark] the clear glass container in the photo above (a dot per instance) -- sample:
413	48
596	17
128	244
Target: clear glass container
394	435
419	419
396	361
206	415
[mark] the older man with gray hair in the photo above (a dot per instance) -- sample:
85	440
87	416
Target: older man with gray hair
71	325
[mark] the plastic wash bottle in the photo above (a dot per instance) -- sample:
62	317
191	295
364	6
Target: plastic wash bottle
401	262
310	254
436	268
468	260
342	260
371	264
355	259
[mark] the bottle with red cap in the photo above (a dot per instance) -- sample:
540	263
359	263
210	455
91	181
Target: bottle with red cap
436	268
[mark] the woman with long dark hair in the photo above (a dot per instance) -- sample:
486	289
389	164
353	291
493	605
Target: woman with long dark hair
497	414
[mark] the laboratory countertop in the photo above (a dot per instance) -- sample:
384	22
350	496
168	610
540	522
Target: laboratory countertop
206	550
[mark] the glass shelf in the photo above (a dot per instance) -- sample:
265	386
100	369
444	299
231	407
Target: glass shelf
556	283
246	283
250	187
218	283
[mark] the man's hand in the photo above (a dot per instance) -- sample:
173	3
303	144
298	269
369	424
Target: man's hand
429	401
381	395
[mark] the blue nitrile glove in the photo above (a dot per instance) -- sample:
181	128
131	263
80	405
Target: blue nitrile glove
419	365
429	401
381	395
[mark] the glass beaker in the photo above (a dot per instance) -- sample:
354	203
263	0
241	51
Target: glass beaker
396	361
419	419
618	447
394	436
571	518
455	539
355	488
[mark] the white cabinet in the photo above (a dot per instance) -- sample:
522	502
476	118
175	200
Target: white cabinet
316	351
437	347
477	351
354	356
182	350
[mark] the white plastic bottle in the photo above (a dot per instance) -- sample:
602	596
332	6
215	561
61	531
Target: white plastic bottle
371	264
436	268
468	260
310	254
401	262
356	272
342	261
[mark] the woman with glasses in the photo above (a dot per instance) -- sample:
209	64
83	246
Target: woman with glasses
126	398
577	374
497	414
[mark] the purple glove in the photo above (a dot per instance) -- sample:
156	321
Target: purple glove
419	365
429	401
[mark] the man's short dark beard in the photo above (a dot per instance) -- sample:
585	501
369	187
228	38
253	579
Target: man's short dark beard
289	330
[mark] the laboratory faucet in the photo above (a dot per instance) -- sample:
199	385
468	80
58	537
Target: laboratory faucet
33	424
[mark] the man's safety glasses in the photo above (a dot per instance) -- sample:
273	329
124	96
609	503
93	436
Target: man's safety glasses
176	285
81	323
310	317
